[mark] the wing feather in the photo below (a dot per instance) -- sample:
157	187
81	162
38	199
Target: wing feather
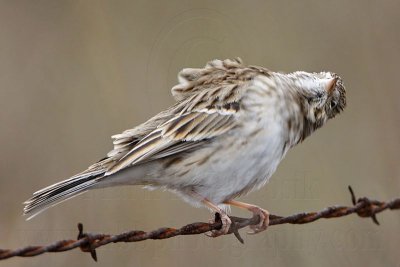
179	134
208	105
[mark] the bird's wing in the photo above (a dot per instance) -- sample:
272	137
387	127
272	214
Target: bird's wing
208	105
216	84
179	134
215	79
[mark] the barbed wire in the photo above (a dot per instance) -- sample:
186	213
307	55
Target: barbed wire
88	242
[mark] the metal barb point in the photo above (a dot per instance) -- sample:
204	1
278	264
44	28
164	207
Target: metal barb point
235	231
353	197
89	246
368	206
370	209
234	228
374	219
80	229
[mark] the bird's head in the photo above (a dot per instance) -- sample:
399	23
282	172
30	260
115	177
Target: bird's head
322	96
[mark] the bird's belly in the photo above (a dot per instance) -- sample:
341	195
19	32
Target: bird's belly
227	169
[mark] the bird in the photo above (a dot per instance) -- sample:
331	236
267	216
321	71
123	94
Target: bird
230	127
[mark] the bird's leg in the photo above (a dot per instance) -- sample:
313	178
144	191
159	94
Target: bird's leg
226	221
263	214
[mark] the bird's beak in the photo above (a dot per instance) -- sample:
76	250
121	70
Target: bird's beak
330	85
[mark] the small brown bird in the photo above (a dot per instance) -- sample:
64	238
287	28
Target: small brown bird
229	129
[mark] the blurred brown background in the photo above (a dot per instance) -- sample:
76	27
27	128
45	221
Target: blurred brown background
72	73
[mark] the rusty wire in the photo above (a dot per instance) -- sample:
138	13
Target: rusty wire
88	242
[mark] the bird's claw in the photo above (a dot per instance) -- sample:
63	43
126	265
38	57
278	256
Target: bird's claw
264	220
226	224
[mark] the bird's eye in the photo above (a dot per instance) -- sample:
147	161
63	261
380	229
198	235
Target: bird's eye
333	104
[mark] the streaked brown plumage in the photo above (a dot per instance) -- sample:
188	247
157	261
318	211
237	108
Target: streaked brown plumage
229	129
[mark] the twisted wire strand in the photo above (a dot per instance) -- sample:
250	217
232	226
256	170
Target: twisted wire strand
88	242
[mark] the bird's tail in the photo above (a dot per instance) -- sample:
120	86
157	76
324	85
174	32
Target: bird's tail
56	193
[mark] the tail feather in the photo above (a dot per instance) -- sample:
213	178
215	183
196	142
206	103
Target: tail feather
74	178
59	192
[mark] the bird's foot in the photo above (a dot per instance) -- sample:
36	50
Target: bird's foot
226	224
264	220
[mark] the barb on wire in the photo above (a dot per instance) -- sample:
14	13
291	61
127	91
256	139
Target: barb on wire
88	242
